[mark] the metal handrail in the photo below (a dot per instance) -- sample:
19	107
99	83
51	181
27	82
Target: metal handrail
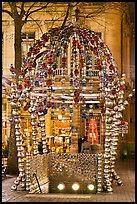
37	182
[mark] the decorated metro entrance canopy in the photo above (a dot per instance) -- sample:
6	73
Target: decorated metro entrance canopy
68	52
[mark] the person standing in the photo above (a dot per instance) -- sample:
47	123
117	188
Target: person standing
86	147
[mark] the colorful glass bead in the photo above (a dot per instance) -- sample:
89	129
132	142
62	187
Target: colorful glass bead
45	111
90	73
49	104
76	82
36	83
83	115
49	82
90	115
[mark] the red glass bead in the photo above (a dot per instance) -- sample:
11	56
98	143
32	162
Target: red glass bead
19	87
103	110
21	73
25	108
64	59
101	105
114	92
65	46
76	99
75	42
28	54
29	68
101	44
44	65
122	122
76	72
50	61
50	71
49	82
40	110
122	88
100	67
96	38
12	69
79	46
111	67
92	42
27	84
49	104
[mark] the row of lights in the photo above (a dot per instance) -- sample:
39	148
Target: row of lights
75	186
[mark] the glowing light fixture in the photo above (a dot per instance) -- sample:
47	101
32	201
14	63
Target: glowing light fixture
91	187
59	117
75	186
61	186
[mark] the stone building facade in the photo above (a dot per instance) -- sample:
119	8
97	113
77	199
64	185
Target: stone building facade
112	24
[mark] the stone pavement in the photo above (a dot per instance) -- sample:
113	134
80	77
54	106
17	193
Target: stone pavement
125	193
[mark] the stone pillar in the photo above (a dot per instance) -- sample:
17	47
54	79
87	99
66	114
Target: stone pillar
74	142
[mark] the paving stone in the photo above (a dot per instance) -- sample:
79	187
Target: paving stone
124	193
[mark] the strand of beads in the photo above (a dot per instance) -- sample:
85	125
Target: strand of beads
28	171
108	121
16	117
33	116
41	115
82	47
99	173
117	116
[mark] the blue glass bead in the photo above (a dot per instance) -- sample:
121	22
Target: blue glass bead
89	62
83	84
45	74
36	112
91	115
90	73
55	66
45	101
71	74
52	114
11	120
71	83
83	115
58	54
45	111
45	92
104	70
31	80
106	84
91	84
53	105
91	99
37	74
36	83
71	110
83	110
